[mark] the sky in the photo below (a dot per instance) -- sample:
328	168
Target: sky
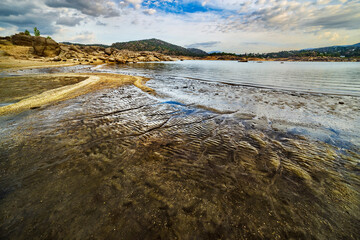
236	26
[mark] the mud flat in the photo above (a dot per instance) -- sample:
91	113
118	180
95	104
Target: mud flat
119	163
27	92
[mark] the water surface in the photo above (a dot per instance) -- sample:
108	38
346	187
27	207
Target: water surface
321	77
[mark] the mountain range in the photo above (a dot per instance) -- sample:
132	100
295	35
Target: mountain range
166	48
334	51
160	46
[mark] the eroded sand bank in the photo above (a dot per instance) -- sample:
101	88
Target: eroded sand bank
96	81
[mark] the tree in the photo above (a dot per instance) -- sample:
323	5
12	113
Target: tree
48	37
27	32
36	32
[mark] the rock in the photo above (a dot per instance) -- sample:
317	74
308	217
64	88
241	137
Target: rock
74	48
22	40
88	49
64	48
5	42
108	51
152	59
68	55
56	59
111	60
45	47
130	60
3	53
141	59
120	60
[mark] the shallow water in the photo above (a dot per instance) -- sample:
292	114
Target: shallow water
320	77
332	118
123	164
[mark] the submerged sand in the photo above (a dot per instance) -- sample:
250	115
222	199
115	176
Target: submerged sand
88	84
112	162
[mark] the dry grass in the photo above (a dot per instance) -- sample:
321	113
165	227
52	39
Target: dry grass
17	51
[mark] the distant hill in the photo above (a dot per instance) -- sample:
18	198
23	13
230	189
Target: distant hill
157	45
214	52
80	44
347	50
332	47
333	51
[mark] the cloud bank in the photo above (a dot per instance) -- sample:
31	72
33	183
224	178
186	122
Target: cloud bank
223	25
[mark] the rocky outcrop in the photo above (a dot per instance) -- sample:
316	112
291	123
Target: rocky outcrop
97	55
45	47
48	49
21	39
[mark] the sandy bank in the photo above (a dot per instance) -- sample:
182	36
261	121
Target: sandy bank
92	83
9	63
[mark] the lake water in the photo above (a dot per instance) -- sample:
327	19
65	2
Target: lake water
317	99
329	77
223	150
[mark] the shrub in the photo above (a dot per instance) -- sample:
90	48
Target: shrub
27	32
36	32
48	37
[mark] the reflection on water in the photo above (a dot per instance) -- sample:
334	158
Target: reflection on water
324	77
122	164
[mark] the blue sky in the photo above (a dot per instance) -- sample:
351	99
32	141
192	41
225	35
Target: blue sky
224	25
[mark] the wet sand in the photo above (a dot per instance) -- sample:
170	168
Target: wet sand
78	84
10	63
120	163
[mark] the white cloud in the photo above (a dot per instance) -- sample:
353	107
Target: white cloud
149	11
83	37
135	3
236	25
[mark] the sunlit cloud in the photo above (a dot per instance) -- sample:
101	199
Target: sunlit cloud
230	24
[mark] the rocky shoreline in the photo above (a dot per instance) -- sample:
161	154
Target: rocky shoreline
22	46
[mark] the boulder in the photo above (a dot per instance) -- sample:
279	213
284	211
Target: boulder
152	59
120	60
75	48
64	48
108	51
56	59
141	59
45	47
87	49
69	55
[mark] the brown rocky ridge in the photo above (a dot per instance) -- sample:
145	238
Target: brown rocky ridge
22	46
